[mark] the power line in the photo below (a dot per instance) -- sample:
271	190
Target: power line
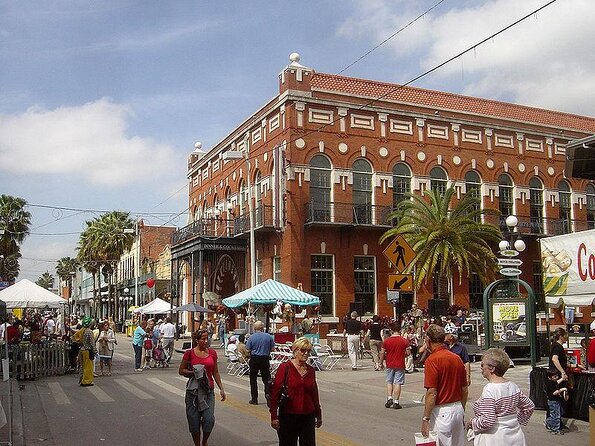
100	211
403	28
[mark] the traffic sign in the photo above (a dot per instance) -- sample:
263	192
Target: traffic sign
392	296
400	282
509	262
399	253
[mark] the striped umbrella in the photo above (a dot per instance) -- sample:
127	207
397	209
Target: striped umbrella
269	292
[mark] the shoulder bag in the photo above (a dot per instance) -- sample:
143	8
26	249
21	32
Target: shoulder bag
283	395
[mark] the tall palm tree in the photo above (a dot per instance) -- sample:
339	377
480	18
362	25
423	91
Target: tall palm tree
66	269
14	227
46	280
102	243
446	239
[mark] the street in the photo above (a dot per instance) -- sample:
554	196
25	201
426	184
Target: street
148	408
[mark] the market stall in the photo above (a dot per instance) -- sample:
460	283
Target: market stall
270	293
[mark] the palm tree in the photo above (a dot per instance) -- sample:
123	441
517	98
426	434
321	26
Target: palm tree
46	280
66	269
14	227
101	245
446	240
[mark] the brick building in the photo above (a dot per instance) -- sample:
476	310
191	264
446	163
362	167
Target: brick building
329	156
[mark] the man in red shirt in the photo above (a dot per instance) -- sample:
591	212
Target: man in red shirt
394	350
445	381
591	348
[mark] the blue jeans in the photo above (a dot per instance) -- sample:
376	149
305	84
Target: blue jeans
554	419
138	354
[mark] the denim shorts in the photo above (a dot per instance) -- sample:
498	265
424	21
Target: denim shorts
395	376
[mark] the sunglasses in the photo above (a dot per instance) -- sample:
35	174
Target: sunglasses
305	351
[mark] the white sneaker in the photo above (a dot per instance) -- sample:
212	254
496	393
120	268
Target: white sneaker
138	370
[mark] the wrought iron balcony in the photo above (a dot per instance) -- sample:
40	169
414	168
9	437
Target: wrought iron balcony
541	226
346	214
263	219
204	227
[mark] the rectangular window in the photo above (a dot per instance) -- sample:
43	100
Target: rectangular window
590	211
476	289
536	211
321	276
277	268
259	271
364	275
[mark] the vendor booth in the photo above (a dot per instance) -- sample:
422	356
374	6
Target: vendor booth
270	293
157	306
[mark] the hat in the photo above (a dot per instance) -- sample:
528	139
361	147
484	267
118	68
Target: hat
87	320
451	329
592	326
233	339
159	321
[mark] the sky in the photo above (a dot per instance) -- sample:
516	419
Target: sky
102	102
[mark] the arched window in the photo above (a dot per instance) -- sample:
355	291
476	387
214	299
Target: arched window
590	191
505	192
258	188
438	180
362	192
243	198
320	188
536	205
401	182
565	207
473	187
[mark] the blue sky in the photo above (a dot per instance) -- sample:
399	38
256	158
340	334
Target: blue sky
101	102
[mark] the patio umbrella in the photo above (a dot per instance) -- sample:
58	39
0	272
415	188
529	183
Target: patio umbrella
269	292
193	307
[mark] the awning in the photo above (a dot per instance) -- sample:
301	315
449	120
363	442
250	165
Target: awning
268	293
576	300
26	294
193	307
156	306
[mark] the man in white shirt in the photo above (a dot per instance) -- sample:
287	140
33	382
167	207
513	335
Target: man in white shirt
50	327
4	325
168	332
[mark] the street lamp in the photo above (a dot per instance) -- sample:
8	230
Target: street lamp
236	155
137	257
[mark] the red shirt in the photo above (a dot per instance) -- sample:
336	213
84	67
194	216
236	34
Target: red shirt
395	348
209	362
302	391
445	372
591	353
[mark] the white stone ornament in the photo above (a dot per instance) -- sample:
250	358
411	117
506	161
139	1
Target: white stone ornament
383	152
490	164
421	156
456	160
343	148
522	167
300	143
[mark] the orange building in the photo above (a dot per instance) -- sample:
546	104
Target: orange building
329	156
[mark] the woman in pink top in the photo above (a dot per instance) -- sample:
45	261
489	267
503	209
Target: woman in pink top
201	419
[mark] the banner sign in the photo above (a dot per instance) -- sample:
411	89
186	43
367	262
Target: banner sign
568	263
509	321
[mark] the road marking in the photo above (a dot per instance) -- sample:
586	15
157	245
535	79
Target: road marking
58	394
168	387
134	390
100	394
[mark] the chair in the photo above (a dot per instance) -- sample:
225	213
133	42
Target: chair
244	366
331	359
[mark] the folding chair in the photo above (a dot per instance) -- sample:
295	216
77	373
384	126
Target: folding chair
243	367
331	359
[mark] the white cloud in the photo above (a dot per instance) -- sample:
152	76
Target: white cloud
545	61
87	141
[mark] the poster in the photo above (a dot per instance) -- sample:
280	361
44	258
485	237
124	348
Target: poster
509	322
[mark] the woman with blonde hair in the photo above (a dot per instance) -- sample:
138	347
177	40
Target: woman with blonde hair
502	407
300	414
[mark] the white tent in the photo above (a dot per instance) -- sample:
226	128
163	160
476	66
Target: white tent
26	294
156	306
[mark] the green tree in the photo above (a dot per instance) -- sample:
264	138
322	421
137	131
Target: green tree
14	227
66	269
101	245
46	280
446	239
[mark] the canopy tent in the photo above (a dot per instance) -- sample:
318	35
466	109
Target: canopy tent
156	306
269	292
192	307
26	294
575	300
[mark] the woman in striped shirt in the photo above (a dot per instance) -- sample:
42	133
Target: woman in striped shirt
502	407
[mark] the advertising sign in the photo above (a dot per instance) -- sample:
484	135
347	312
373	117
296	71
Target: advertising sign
509	321
568	264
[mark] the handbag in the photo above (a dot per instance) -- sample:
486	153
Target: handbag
283	395
91	354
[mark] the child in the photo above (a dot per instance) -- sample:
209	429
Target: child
556	394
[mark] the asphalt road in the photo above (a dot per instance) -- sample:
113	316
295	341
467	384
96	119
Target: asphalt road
132	408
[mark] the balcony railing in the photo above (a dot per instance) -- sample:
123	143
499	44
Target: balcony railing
263	219
204	227
346	214
541	226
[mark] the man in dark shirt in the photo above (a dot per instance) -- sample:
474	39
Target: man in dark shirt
558	359
452	342
353	328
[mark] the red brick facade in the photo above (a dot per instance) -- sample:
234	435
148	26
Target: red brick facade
343	119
